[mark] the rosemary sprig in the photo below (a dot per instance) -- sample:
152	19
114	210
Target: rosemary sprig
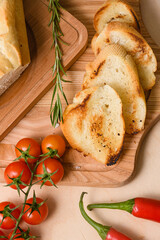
56	113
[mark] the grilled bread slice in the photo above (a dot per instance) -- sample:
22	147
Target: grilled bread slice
94	124
134	44
115	10
114	67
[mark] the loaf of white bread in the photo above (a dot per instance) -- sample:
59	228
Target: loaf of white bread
14	50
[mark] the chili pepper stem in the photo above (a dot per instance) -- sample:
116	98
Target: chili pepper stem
126	205
102	230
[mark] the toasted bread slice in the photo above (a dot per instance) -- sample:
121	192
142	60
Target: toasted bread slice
114	67
94	124
134	44
115	10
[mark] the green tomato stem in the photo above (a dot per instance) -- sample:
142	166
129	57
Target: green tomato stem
25	199
26	196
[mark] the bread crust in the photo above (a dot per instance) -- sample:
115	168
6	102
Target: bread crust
86	124
134	44
22	33
115	6
6	19
114	67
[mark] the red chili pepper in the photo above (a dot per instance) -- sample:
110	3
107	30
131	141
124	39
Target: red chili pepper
115	235
105	232
139	207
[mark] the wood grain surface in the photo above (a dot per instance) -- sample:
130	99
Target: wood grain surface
80	170
37	79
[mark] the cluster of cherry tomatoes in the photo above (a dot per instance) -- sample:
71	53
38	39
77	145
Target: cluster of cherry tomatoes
22	169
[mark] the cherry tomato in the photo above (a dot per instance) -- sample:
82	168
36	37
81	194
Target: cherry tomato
35	150
17	235
51	166
8	223
14	169
35	218
54	142
2	234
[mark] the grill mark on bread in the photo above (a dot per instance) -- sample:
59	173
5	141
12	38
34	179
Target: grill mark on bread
135	132
96	126
136	38
82	107
117	17
134	129
98	69
83	104
99	13
101	10
98	51
120	16
141	48
139	91
138	25
113	159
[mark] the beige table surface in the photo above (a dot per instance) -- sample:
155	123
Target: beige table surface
65	222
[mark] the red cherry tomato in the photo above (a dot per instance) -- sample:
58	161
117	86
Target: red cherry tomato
35	150
51	165
2	234
14	169
17	235
54	142
8	223
35	218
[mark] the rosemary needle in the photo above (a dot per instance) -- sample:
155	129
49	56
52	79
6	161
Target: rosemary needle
56	113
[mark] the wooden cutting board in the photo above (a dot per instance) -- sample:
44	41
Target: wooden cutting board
80	170
37	79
